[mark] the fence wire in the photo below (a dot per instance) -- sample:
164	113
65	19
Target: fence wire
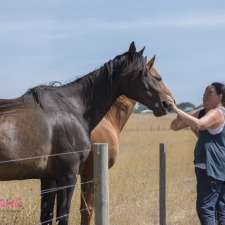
56	189
42	156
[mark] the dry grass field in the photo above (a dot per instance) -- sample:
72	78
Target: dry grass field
133	180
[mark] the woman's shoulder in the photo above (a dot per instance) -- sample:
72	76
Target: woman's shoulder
222	109
219	109
221	126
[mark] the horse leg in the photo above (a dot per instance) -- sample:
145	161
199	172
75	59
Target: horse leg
87	196
47	200
64	197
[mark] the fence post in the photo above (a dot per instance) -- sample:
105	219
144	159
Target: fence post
162	186
101	199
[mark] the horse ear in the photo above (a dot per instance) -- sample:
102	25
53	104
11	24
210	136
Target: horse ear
151	62
132	48
140	53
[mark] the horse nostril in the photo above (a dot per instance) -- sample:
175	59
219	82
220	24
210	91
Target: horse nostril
165	105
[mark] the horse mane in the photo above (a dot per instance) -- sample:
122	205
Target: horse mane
85	81
36	92
88	79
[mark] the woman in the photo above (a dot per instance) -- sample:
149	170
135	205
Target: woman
209	125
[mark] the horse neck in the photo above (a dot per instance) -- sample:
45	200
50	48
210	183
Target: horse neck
120	112
98	91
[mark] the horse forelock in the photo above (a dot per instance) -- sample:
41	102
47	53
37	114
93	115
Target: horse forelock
139	63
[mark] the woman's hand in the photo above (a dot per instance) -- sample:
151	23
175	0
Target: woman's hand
171	103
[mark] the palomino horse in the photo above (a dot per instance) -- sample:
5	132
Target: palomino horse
108	131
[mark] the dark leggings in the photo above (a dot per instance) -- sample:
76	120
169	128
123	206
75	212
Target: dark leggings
210	199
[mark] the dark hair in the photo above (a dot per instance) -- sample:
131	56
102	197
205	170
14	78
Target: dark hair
223	95
220	90
218	86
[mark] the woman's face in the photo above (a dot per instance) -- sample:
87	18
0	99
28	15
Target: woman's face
210	98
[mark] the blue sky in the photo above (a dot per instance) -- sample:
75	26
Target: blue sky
43	41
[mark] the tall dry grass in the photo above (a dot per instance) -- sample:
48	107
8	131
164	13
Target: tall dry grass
133	180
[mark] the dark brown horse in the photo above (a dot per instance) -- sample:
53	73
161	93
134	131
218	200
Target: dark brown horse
45	134
108	131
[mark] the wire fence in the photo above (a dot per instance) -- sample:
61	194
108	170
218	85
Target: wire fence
181	190
93	181
42	156
58	188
